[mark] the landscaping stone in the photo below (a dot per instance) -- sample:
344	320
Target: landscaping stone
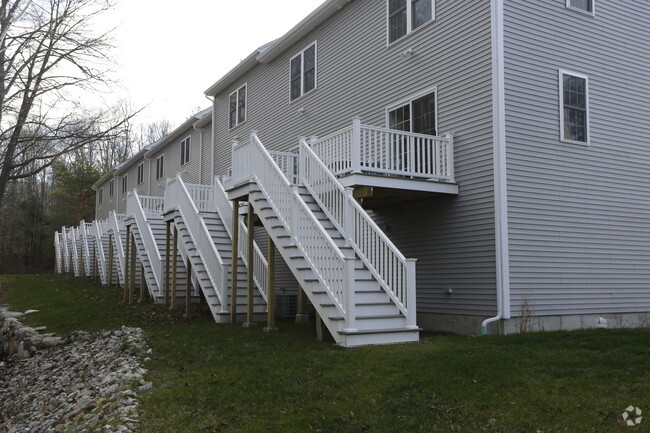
81	386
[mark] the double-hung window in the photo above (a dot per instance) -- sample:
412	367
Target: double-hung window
160	167
185	151
125	183
140	173
404	16
303	72
581	5
100	195
111	188
237	111
574	106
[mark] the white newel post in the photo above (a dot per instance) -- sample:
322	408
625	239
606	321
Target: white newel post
348	216
355	151
349	294
450	156
295	215
411	307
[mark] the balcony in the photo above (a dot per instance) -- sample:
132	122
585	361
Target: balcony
383	166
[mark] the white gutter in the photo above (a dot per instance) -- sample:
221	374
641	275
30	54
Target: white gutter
500	180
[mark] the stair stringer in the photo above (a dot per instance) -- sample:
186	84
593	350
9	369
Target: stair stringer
142	261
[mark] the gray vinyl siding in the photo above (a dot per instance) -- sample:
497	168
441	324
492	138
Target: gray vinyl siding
359	75
108	203
579	225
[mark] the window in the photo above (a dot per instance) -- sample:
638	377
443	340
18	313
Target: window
125	182
303	72
237	108
417	115
574	105
581	5
100	196
140	173
160	167
185	151
404	16
111	188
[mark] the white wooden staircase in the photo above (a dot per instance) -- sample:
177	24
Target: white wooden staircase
204	237
359	283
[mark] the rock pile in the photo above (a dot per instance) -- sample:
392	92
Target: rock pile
19	339
89	384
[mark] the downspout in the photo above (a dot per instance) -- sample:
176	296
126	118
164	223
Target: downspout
500	181
212	139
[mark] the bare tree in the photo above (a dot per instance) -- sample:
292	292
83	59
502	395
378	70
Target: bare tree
49	55
153	132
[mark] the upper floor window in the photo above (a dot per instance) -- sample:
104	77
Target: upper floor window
185	151
160	167
574	106
125	182
582	5
237	108
404	16
111	188
303	72
140	173
100	195
417	115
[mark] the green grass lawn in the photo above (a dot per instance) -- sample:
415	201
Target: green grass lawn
224	378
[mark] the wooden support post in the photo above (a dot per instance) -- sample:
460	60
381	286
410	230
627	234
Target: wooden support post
319	327
270	308
95	264
167	258
302	316
250	320
126	264
143	283
133	257
110	260
172	304
188	283
235	257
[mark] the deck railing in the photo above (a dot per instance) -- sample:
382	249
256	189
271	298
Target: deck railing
394	272
66	249
332	268
382	151
152	206
58	253
202	196
116	223
216	269
98	228
288	164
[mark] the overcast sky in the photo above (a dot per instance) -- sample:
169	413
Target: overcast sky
169	52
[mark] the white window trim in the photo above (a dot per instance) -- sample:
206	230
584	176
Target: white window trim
562	72
125	184
582	11
187	153
100	195
301	53
163	167
410	100
236	93
111	188
409	21
138	177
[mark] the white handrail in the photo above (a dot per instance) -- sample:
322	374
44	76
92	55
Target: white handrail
329	264
260	264
57	253
288	164
66	253
114	221
394	272
152	206
75	252
213	264
99	248
135	207
85	248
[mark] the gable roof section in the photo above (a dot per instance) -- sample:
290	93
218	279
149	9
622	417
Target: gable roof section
272	50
